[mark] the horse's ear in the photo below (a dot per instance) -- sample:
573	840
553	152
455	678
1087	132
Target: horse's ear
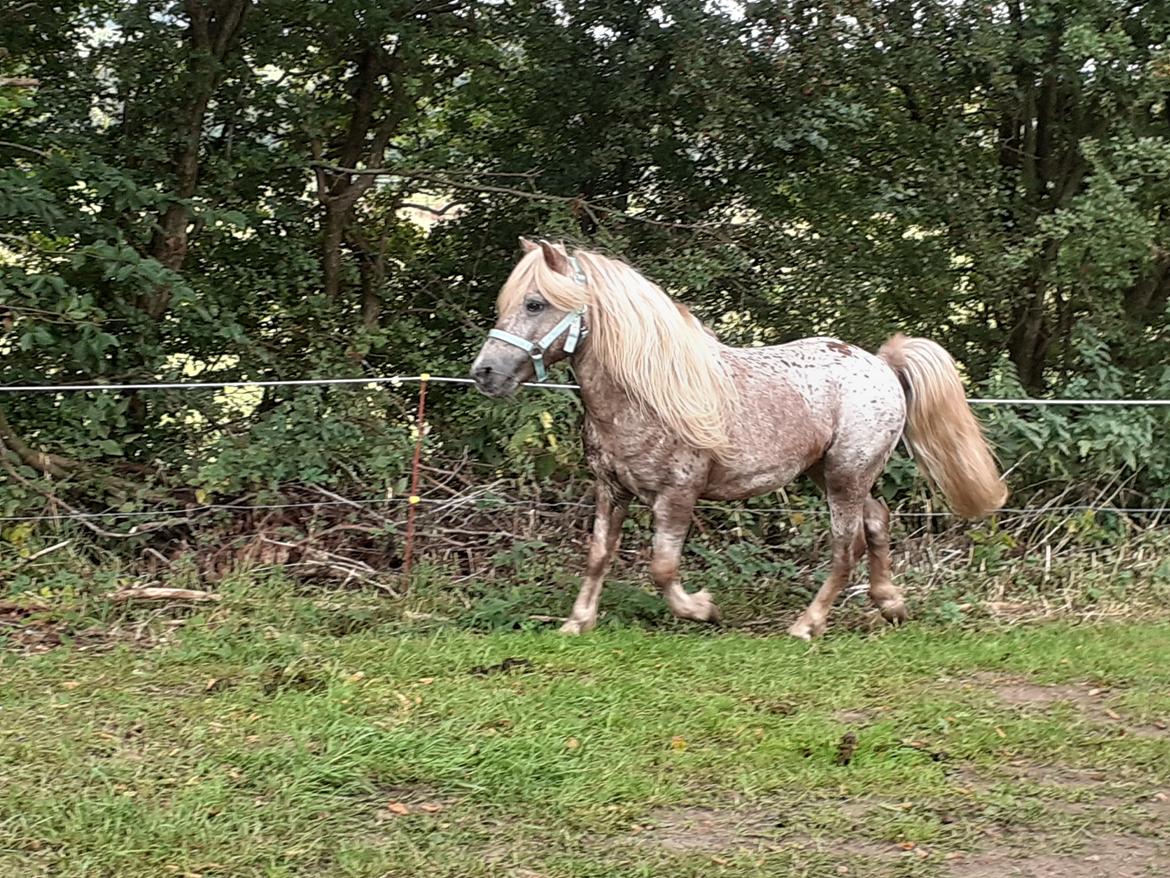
554	258
527	246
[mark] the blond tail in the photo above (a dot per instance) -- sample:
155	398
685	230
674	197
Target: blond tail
942	433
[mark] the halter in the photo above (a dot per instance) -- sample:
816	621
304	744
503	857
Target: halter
573	323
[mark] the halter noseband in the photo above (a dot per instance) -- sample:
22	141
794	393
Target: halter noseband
573	323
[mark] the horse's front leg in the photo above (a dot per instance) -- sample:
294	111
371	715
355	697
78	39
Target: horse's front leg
612	504
672	520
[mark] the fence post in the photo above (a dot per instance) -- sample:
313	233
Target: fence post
412	508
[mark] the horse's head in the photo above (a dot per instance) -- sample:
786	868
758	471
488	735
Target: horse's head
531	332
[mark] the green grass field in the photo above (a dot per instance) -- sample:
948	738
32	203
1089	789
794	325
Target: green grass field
280	733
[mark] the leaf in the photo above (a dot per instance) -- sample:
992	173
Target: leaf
678	742
572	744
18	534
398	808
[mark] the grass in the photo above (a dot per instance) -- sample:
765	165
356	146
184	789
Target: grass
281	735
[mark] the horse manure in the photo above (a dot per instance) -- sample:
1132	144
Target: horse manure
846	748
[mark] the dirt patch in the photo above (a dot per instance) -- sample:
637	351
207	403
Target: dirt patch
857	717
1157	808
709	829
32	628
1075	791
1093	702
28	628
1059	776
1023	693
730	830
1116	856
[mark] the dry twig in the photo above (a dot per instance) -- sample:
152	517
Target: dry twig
155	593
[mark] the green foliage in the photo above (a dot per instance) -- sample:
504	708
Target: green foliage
1096	453
995	179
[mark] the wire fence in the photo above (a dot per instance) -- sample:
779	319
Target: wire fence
488	503
493	502
481	501
395	380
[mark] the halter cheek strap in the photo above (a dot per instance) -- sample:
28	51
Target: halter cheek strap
572	323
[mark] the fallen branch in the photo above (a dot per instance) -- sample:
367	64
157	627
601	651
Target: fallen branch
154	593
45	551
42	462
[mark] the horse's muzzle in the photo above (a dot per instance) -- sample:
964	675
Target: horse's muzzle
492	383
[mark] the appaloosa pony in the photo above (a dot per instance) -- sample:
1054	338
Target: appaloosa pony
673	416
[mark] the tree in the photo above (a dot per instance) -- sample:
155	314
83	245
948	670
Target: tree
217	188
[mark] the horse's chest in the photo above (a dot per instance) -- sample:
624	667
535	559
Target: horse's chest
641	458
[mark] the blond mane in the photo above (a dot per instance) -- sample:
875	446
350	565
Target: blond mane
653	348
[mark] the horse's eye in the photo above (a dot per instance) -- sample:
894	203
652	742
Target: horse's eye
534	306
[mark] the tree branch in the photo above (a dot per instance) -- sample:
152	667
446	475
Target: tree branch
440	211
42	462
29	149
591	207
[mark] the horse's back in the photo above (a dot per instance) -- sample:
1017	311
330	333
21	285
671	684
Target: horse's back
827	372
823	387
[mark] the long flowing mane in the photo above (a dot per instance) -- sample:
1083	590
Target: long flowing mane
653	348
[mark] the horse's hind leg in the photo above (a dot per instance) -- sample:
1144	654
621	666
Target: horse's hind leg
877	538
847	496
607	530
672	520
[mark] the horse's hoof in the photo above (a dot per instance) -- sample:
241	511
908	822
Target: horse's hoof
895	614
574	627
802	629
708	610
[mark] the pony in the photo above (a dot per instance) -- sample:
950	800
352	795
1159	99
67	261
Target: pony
672	416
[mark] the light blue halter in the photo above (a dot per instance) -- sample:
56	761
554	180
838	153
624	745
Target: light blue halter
573	323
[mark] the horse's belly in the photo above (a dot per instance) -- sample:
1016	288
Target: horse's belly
739	485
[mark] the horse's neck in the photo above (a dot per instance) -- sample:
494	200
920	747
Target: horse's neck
605	400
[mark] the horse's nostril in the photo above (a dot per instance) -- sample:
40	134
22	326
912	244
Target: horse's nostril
481	372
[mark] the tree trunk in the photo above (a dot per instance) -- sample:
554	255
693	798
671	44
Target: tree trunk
334	222
1146	300
212	33
373	271
1030	336
1028	343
